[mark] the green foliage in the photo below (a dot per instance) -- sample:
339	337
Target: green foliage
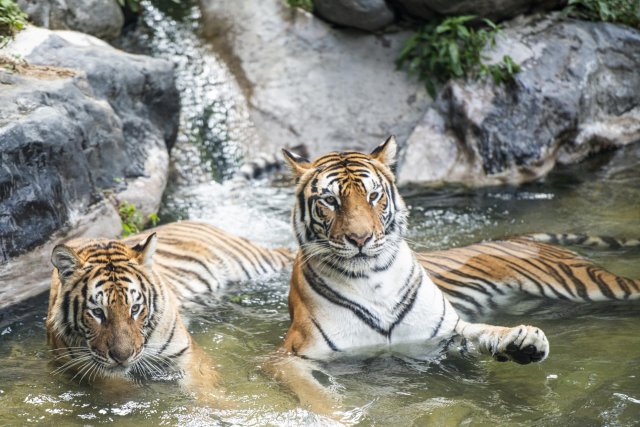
133	5
131	219
620	11
12	20
303	4
447	48
239	298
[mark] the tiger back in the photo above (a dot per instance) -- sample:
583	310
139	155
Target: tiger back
493	275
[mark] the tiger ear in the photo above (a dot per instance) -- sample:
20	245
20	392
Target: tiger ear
67	261
385	153
145	250
296	164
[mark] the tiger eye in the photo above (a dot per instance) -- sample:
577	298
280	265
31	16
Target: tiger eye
135	308
331	200
97	311
373	196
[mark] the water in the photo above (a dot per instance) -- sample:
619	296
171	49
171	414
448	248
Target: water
591	378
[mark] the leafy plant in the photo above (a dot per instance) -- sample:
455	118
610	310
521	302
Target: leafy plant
133	5
131	219
447	48
620	11
12	20
303	4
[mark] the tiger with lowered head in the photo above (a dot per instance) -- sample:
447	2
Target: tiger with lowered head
114	306
356	283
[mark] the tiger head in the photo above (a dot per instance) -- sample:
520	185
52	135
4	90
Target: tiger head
106	301
348	212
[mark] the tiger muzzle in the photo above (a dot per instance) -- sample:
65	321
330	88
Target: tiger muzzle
359	241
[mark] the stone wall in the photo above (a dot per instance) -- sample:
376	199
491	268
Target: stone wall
79	118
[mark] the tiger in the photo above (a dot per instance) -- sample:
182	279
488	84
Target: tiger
356	283
114	305
491	275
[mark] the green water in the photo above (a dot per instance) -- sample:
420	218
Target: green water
591	378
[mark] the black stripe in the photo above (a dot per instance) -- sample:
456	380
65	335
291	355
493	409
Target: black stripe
166	344
623	285
167	254
320	287
464	264
476	286
581	289
444	310
411	294
221	242
604	288
330	343
613	243
463	297
178	354
76	307
520	271
386	266
65	312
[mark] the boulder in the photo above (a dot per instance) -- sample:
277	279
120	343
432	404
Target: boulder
369	15
78	119
99	18
308	83
496	10
578	94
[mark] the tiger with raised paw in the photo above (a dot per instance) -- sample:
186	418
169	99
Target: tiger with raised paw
356	283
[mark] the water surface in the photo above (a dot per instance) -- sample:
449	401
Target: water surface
591	377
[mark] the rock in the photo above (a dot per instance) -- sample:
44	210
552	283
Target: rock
106	121
496	10
308	83
369	15
29	274
577	95
99	18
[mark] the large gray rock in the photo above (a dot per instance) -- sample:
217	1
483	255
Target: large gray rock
307	83
370	15
106	122
578	93
100	18
496	10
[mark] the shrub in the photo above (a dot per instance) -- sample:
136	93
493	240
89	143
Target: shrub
131	219
303	4
620	11
447	48
132	5
12	20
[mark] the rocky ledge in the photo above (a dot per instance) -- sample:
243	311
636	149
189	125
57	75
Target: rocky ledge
337	89
578	94
99	18
376	15
78	121
308	83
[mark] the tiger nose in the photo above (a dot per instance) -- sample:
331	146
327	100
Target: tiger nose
120	356
359	241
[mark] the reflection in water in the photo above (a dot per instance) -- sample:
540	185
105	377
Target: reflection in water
589	379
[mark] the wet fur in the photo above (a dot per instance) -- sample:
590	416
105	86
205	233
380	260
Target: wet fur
159	271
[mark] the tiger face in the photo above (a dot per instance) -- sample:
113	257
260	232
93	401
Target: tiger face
105	303
348	210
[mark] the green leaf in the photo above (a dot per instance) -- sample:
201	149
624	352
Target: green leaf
491	24
431	89
465	18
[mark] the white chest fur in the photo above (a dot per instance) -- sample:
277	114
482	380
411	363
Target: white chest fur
399	304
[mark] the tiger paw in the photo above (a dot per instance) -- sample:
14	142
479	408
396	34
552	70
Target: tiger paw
522	344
